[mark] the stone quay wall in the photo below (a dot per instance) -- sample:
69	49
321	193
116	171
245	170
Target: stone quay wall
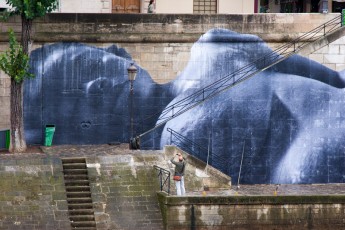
123	185
253	212
161	43
32	193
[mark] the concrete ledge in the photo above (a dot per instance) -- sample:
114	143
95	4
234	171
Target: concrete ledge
183	28
249	200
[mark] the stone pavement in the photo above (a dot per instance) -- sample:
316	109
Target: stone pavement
242	190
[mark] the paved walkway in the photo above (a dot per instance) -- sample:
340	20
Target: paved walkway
244	190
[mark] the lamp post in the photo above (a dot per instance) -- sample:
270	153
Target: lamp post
132	73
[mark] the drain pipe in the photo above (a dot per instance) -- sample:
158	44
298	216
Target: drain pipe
239	174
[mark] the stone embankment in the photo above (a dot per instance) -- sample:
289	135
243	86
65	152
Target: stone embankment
123	185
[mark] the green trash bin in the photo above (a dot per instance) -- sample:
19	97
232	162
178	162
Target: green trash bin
7	139
49	134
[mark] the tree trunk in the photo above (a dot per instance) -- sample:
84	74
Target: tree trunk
18	142
26	34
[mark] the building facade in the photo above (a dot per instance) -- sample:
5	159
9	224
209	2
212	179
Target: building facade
301	6
198	6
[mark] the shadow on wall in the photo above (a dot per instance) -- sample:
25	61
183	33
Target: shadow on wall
287	121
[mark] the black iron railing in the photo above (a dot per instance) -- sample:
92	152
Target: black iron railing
270	59
190	146
164	179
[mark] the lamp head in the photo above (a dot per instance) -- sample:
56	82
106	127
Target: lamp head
132	72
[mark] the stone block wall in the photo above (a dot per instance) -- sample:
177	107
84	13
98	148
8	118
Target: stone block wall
123	190
253	212
332	56
124	187
161	43
32	193
163	61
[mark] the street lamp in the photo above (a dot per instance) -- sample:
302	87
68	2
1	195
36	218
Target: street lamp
132	73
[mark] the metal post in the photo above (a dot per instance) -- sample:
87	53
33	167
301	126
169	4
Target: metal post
131	112
170	137
132	71
208	150
239	174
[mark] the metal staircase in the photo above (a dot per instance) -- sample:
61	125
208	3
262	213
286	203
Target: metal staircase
80	208
270	59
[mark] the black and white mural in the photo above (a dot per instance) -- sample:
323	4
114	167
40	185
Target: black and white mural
287	122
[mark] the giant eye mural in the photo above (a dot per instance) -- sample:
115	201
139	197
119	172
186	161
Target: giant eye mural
286	122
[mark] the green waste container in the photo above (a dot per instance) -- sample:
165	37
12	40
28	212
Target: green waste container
8	139
49	134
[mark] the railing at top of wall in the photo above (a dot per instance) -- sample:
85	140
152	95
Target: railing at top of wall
244	73
164	179
189	146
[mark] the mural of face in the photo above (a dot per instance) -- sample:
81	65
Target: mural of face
287	120
84	92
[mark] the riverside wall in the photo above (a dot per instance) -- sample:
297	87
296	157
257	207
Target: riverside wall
161	43
253	212
123	184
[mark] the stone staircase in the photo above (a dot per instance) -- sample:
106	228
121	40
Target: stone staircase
80	208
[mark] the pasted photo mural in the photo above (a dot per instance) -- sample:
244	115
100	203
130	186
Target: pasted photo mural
286	122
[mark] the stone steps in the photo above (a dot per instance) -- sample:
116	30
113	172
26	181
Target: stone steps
77	188
77	224
79	200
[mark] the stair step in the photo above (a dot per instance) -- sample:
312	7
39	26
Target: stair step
83	200
73	160
74	166
78	194
77	188
83	224
75	171
76	177
82	218
77	183
80	207
85	228
77	212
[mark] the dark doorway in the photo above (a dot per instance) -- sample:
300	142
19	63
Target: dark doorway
314	6
338	6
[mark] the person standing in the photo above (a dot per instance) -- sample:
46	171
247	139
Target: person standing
180	167
150	8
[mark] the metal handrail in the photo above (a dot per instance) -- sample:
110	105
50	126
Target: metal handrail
270	59
164	179
188	145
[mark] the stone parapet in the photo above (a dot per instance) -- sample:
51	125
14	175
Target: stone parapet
253	212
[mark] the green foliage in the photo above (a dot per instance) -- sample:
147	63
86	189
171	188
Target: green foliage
14	62
32	9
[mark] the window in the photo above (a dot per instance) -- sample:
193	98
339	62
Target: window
205	7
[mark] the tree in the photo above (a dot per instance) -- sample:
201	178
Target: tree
28	11
15	63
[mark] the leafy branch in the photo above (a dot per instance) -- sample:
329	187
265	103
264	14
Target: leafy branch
14	62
